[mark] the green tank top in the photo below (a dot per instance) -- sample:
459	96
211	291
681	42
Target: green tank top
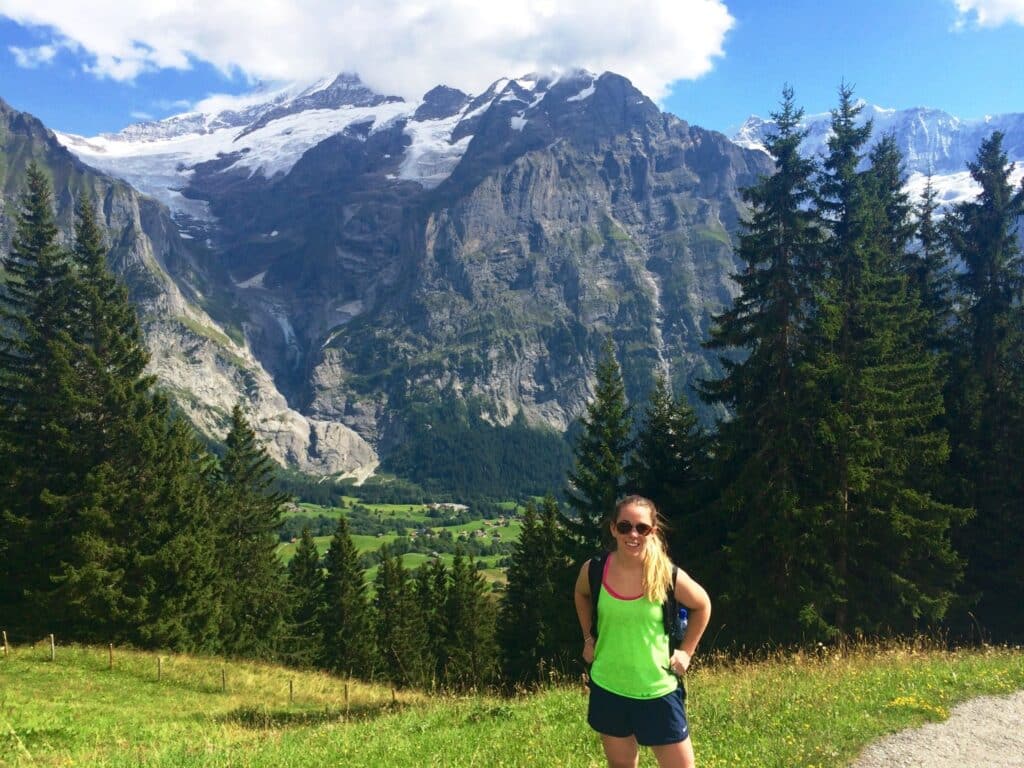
631	655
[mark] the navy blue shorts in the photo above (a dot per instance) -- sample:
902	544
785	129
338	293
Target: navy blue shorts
653	721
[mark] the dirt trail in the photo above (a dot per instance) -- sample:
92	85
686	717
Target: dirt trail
986	732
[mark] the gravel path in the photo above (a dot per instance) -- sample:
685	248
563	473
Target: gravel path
986	732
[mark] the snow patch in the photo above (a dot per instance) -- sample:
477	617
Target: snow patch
431	157
256	281
586	93
953	188
162	167
518	122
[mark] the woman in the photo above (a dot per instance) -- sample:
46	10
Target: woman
635	695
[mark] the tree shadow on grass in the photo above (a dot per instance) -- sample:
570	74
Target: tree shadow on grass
262	718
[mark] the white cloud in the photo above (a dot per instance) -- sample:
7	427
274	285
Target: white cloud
991	13
30	58
167	105
396	46
141	115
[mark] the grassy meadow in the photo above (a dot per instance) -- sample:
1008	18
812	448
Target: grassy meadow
414	512
796	710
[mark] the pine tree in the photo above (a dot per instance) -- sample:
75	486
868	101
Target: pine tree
33	317
470	623
348	644
537	628
254	584
305	595
104	396
400	628
875	396
669	465
431	597
116	491
930	273
987	390
167	530
769	572
142	568
894	227
598	478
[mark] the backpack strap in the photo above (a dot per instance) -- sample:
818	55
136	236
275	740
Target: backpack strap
670	610
595	573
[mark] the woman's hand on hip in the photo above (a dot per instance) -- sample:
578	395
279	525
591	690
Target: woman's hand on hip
679	663
588	650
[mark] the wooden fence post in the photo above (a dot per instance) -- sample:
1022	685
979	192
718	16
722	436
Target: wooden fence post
53	648
5	644
110	657
346	700
291	692
223	680
159	668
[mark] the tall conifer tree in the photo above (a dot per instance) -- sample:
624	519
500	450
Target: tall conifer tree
875	398
431	597
33	316
770	572
537	630
166	530
253	576
668	466
987	403
106	403
470	623
598	477
348	644
305	596
400	628
930	273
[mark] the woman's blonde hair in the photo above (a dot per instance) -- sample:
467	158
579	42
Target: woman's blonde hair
657	563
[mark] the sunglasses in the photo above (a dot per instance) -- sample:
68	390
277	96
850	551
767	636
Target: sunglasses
625	527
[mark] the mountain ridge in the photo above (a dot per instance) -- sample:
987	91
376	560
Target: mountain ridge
382	259
196	361
933	142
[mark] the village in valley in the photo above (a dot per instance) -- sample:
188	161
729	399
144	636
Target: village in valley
418	532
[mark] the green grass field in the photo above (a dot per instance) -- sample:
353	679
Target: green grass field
805	710
508	532
363	544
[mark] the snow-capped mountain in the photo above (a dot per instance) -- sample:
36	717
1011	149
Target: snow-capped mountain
369	252
268	132
379	257
932	141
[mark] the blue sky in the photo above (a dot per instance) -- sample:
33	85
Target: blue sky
897	53
94	67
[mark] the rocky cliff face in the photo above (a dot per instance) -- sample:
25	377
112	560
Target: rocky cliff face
590	217
203	368
478	248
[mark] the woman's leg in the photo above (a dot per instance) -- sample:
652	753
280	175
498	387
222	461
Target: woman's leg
621	751
678	755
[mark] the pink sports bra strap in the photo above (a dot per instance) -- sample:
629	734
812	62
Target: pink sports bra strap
608	589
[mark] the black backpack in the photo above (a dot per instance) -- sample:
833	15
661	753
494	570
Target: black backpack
674	628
